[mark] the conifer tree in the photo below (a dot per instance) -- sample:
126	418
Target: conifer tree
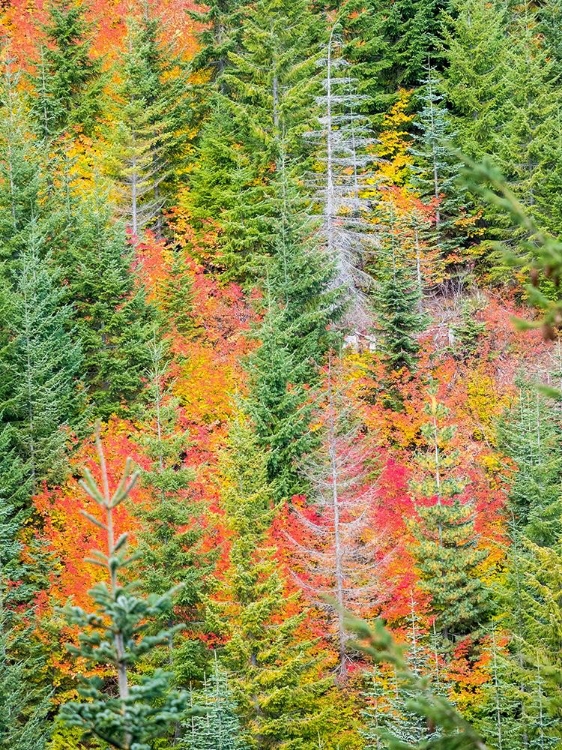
112	318
41	362
447	553
530	435
294	334
269	98
476	49
344	150
334	543
68	82
171	537
219	727
114	637
396	298
275	672
388	47
151	115
435	170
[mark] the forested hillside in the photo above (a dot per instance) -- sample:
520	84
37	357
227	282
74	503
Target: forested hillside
279	347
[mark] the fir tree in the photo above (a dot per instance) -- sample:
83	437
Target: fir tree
447	553
275	674
396	299
149	140
476	50
171	538
388	47
41	362
219	727
68	83
530	435
112	318
114	637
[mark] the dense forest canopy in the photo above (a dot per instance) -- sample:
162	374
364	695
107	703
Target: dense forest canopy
280	373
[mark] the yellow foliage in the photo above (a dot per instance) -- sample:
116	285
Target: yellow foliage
394	141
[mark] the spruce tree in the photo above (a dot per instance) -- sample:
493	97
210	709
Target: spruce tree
114	637
68	82
447	550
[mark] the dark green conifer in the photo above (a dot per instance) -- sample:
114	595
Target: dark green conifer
68	82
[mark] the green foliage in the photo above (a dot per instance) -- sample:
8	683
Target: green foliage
219	727
378	644
148	137
396	300
112	318
68	82
114	637
389	46
530	435
275	674
447	550
170	541
467	332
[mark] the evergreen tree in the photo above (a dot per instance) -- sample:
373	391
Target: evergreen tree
68	83
23	705
435	170
396	298
151	117
112	318
530	435
447	551
467	332
114	637
476	50
275	677
388	47
270	87
41	362
294	334
171	537
219	727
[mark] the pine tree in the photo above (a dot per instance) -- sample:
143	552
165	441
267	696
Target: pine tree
68	83
114	637
219	727
275	677
447	550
